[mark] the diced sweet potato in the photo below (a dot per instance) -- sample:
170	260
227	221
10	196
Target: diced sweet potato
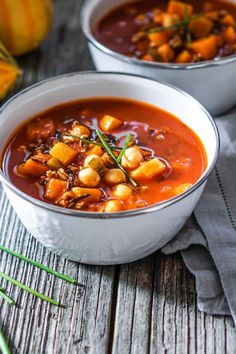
200	27
54	163
206	47
94	195
97	150
32	168
40	129
166	53
64	153
55	188
180	8
109	123
184	57
228	20
158	38
230	35
149	169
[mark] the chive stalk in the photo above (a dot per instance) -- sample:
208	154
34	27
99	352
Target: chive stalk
126	143
40	266
110	152
29	290
3	344
6	297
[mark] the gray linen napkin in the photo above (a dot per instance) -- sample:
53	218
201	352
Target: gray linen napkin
208	241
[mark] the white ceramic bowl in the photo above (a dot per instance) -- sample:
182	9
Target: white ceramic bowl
102	238
213	82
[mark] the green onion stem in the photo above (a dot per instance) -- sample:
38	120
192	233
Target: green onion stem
3	344
6	297
126	143
40	266
110	152
87	141
29	290
176	25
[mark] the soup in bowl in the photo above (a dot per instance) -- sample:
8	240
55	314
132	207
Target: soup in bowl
105	168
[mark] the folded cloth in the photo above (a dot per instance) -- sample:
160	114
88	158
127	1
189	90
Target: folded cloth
208	241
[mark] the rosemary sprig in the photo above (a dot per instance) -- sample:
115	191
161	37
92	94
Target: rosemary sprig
29	290
126	143
40	266
3	344
110	152
87	141
6	297
177	25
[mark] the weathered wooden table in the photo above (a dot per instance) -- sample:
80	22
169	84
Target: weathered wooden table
145	307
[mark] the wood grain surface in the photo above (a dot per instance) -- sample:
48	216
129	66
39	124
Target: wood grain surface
144	307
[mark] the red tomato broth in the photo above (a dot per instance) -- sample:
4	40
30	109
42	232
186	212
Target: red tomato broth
116	29
156	130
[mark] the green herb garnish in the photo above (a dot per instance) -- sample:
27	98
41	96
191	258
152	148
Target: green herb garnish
126	143
87	141
3	344
29	290
110	152
6	297
40	266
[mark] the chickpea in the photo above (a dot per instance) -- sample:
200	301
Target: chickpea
94	161
89	177
80	130
132	158
122	191
111	206
114	176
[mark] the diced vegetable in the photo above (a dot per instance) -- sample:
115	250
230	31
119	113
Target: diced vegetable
55	188
54	163
109	123
97	150
64	153
159	38
182	188
94	195
166	53
230	35
201	27
228	20
149	169
32	168
206	47
180	8
184	57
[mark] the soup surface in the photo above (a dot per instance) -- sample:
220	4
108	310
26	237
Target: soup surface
170	31
104	155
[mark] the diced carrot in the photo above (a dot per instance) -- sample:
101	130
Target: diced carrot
64	153
230	35
219	40
180	8
182	188
206	47
201	27
149	169
158	38
166	53
94	195
55	188
32	168
54	163
97	150
109	123
184	57
228	20
147	57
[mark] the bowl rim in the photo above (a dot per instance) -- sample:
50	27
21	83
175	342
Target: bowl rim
84	16
127	213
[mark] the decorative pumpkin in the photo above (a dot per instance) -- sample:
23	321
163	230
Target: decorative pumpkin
24	24
9	71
